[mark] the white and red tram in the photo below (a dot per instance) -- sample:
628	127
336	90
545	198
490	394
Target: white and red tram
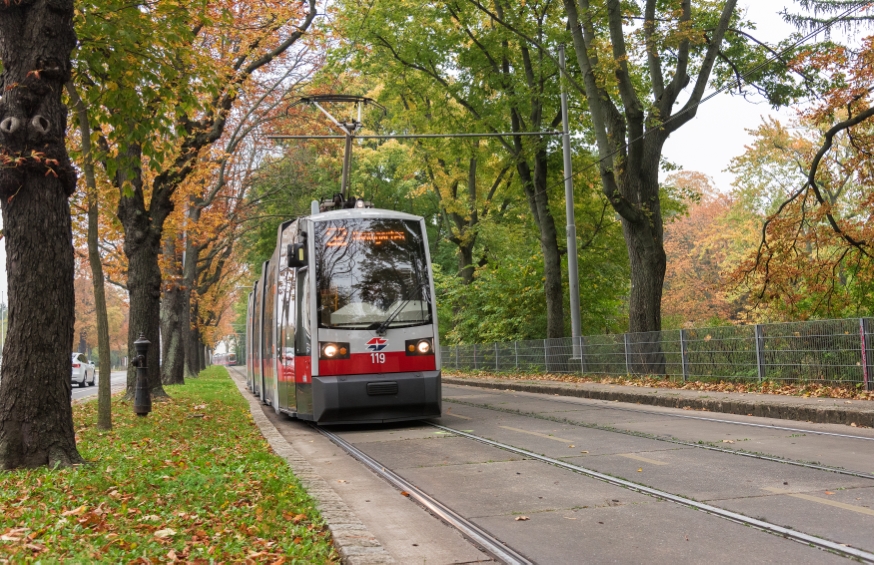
343	324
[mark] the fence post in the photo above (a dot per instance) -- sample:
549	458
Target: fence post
496	357
456	356
582	355
760	351
545	358
627	363
474	357
683	355
867	361
516	351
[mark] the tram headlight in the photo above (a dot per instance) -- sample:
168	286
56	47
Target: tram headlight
419	346
333	350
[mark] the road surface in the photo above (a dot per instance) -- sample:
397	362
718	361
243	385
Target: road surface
117	379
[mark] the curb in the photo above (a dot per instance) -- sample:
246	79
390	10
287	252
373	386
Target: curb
355	544
781	411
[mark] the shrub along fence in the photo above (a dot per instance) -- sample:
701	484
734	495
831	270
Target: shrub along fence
825	351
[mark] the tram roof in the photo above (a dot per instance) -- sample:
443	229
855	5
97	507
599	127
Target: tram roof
362	213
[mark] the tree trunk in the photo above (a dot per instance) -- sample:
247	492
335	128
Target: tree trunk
188	304
104	386
36	179
141	246
538	201
644	241
172	352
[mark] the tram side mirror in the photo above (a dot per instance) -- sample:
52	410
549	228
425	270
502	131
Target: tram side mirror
297	255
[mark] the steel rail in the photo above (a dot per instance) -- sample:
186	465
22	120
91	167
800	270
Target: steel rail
673	440
688	417
468	529
789	533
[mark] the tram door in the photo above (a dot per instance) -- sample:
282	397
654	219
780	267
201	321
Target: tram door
288	310
303	366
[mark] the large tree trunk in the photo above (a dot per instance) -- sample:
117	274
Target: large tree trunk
141	246
36	179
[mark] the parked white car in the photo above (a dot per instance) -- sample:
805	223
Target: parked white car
83	370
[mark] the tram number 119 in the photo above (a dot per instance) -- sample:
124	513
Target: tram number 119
377	357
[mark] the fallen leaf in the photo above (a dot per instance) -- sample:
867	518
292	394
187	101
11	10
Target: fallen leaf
171	555
728	441
165	533
640	470
75	512
568	518
297	519
829	492
342	481
583	451
522	518
853	424
571	446
404	493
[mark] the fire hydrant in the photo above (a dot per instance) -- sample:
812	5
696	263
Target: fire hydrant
143	395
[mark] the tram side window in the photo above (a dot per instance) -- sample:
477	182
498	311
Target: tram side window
302	343
289	290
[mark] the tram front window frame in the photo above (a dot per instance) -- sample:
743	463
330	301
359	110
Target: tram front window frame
372	272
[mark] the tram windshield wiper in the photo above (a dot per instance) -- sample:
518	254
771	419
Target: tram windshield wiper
381	327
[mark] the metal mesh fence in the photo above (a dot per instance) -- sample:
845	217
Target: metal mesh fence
825	351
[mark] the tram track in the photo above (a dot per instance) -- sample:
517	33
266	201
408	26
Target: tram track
781	531
672	440
476	535
701	418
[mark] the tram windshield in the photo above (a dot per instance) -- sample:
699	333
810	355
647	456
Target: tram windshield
370	270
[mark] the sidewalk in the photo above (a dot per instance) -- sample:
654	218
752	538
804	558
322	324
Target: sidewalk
859	413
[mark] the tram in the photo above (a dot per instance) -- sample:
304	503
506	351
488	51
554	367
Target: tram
343	322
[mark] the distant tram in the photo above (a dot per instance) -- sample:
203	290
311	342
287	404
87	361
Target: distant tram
342	322
227	359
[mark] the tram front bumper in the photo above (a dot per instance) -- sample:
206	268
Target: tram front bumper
383	397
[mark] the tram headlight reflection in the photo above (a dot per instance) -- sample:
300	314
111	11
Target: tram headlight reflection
424	347
331	350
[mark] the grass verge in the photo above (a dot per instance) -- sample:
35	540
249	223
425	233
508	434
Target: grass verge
804	389
195	481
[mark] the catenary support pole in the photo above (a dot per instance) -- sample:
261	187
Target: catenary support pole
572	268
347	165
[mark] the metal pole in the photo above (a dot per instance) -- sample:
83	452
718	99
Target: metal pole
516	350
572	267
456	356
474	357
760	351
347	164
496	357
685	362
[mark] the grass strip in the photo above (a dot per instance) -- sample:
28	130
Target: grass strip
851	391
195	481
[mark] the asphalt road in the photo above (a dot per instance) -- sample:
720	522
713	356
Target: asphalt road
573	518
117	379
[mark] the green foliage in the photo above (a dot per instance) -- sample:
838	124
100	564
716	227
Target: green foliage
195	478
